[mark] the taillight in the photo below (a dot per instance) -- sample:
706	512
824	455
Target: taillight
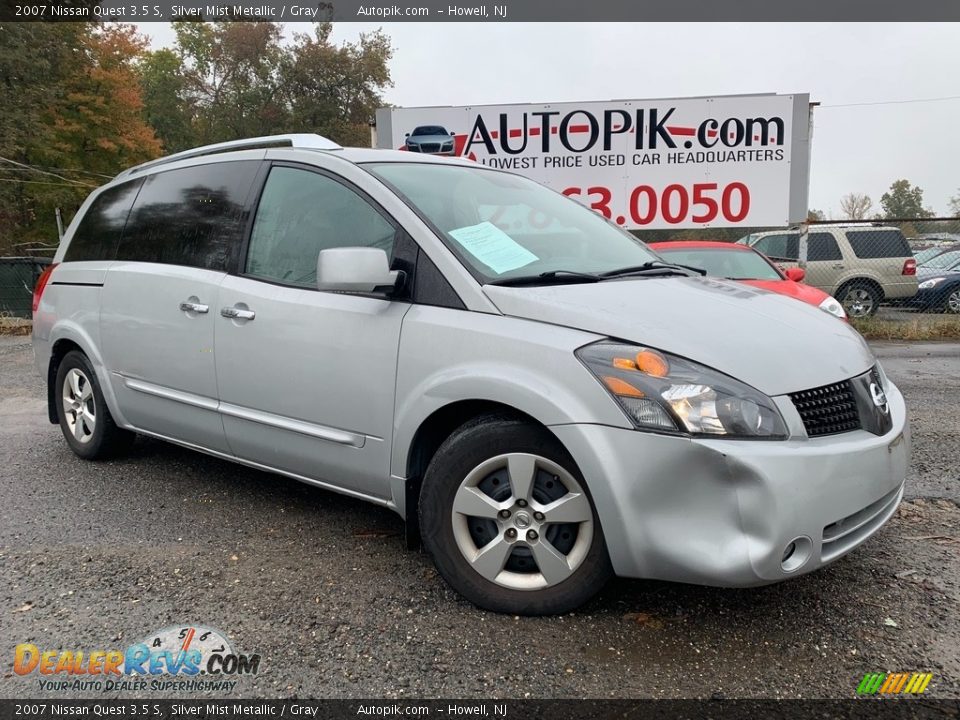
909	267
41	284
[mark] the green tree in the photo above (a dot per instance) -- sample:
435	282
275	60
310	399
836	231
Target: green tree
335	90
231	76
904	201
165	99
35	61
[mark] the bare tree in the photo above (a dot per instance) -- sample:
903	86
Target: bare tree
954	205
856	206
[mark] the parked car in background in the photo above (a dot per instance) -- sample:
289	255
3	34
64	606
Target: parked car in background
745	264
430	139
939	288
928	254
860	265
947	260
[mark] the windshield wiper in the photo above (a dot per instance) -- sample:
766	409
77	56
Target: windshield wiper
565	276
654	267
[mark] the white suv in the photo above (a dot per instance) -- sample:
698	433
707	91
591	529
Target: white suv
860	265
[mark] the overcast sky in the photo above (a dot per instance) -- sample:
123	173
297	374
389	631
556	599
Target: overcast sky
861	148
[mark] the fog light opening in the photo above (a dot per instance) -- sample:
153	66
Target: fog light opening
795	554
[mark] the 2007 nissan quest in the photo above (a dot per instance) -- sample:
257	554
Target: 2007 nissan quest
546	399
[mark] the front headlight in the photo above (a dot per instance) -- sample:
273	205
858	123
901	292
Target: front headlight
667	393
833	307
931	283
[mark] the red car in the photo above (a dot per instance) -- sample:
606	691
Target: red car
746	265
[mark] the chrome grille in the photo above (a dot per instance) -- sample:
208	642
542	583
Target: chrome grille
828	410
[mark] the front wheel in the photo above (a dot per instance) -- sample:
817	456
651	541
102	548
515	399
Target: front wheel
509	522
951	303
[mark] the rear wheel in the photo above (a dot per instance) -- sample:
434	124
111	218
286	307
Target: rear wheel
859	298
86	422
509	522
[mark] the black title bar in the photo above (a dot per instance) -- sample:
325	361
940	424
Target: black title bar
481	11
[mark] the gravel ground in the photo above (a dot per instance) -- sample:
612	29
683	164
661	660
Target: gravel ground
95	556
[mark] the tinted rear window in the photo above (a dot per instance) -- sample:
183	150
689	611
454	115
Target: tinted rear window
878	243
193	216
99	231
823	246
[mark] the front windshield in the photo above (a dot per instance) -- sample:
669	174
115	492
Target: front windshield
925	255
720	262
429	130
504	226
944	261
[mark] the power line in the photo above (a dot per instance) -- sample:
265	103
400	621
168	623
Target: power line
44	172
45	182
894	102
34	168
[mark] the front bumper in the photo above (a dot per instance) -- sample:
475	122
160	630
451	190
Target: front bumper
722	512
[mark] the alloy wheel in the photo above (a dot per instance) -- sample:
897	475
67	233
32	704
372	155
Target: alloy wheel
522	521
858	302
953	302
79	409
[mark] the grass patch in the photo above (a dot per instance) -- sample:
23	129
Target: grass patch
926	327
10	325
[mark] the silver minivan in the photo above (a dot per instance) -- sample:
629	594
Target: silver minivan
542	398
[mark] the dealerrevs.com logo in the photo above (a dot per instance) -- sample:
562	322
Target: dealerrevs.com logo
180	658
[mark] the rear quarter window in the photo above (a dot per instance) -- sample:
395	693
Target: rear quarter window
99	231
192	216
823	246
878	244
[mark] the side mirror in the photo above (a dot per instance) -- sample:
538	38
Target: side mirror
356	270
407	135
795	274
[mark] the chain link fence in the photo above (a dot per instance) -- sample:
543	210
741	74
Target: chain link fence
894	270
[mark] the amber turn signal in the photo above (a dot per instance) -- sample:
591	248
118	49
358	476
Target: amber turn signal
622	387
652	363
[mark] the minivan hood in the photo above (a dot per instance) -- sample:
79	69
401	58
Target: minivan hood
769	341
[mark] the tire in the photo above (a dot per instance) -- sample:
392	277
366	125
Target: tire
859	298
522	564
951	303
81	405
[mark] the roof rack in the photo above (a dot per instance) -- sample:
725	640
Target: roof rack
294	140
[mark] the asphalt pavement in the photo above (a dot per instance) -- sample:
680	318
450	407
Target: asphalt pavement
95	556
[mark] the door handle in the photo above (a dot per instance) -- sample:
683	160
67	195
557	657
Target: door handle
838	266
235	313
194	307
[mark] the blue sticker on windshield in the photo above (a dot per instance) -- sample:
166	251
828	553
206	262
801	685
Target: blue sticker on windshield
493	247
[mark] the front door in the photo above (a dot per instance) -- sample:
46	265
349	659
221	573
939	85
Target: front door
307	378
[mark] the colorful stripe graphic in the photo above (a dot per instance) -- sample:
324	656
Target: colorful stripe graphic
894	683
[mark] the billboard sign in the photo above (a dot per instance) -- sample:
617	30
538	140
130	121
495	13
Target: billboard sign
645	164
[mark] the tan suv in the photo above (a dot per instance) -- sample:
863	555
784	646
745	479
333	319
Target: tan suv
860	265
